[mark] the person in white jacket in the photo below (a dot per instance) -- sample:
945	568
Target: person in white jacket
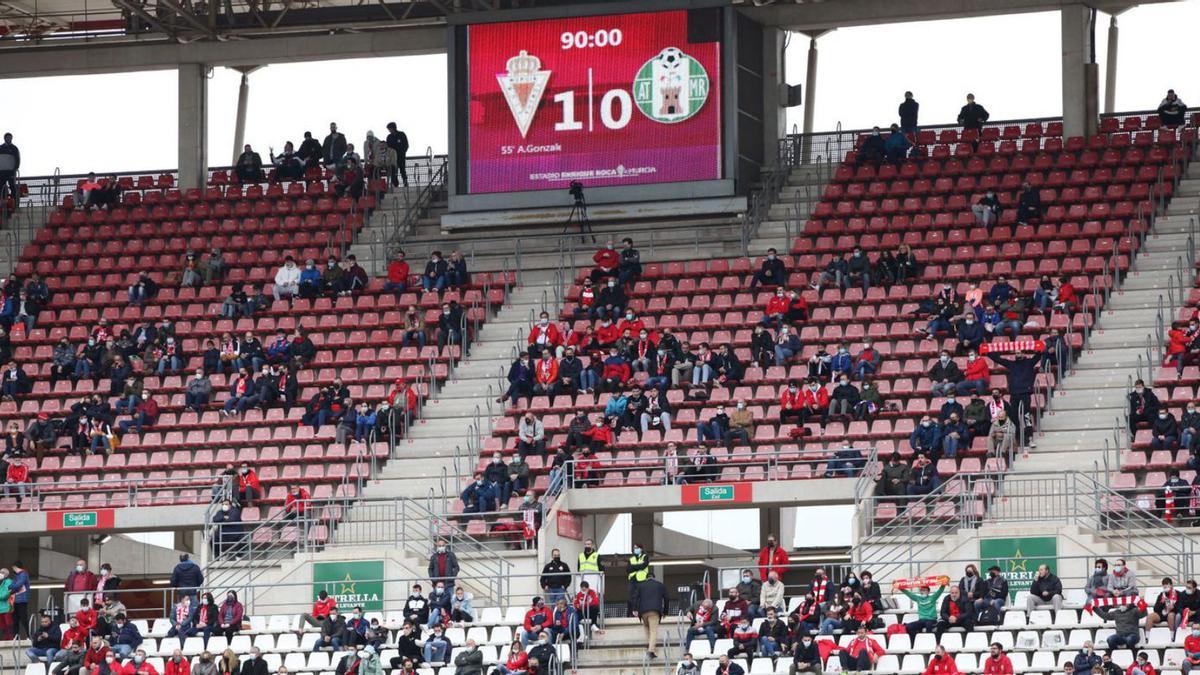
287	280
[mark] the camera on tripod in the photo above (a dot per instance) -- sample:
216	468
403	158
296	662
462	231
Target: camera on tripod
576	191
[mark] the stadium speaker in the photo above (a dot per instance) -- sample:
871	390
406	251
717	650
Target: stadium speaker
792	96
704	25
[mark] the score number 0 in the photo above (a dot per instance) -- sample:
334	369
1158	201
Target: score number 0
622	99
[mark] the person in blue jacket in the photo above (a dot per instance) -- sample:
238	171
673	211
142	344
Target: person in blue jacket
479	497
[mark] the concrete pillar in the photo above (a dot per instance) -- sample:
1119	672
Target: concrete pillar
193	125
774	91
1110	67
810	93
239	125
1078	72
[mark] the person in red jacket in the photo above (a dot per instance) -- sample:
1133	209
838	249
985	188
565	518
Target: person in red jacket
537	619
997	662
1066	300
17	476
1142	666
79	580
249	489
599	436
862	652
777	309
296	505
586	467
518	661
96	653
816	402
397	274
86	616
791	402
607	333
607	260
177	664
144	415
630	322
858	614
587	603
139	665
74	633
772	558
545	375
544	336
587	300
322	606
404	399
976	376
941	663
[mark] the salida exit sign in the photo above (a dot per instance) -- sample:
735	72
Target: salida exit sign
717	494
79	520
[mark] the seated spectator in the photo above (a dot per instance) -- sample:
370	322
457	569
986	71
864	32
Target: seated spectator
457	275
287	280
834	273
397	274
190	275
1143	406
993	592
814	404
861	654
450	325
520	380
46	640
143	289
702	620
866	362
977	377
969	333
355	279
1002	434
544	336
531	436
872	151
1167	607
775	312
1087	659
546	375
858	270
629	269
607	261
611	301
771	271
237	304
1164	431
1045	591
786	345
310	280
955	436
927	609
987	209
926	437
1029	204
945	375
479	496
896	146
1127	631
537	619
349	179
957	611
844	399
1098	582
1171	110
997	662
144	415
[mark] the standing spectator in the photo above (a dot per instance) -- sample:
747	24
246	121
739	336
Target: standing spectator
79	582
187	577
556	578
630	267
333	148
443	565
1171	111
972	115
908	111
1020	373
648	599
229	528
248	167
397	142
10	163
772	558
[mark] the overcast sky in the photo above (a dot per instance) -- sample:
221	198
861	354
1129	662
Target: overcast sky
128	121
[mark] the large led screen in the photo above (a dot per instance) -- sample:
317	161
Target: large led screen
603	100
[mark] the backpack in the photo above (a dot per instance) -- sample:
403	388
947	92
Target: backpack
989	616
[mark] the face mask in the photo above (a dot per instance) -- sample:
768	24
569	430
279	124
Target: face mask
441	549
612	284
926	424
1117	568
745	577
79	568
637	551
1162	416
845	382
741	406
944	359
139	658
544	322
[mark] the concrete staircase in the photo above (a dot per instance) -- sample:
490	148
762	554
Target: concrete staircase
622	649
1091	400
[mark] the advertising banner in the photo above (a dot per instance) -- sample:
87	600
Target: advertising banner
1018	559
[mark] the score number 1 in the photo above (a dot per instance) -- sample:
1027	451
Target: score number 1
621	98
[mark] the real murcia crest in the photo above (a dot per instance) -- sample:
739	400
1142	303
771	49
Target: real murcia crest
523	86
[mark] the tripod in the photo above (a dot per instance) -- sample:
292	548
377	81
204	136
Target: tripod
579	216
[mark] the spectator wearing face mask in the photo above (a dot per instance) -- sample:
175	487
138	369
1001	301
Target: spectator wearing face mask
355	634
228	522
139	665
926	438
229	616
945	375
544	336
443	565
923	478
520	380
1164	431
333	631
611	301
806	657
1141	666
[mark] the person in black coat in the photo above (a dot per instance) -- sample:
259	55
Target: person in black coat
249	166
450	325
772	271
253	663
1029	204
648	602
972	115
1020	373
908	114
873	148
1046	590
1164	431
956	611
398	141
333	148
1143	405
406	644
520	380
309	151
436	268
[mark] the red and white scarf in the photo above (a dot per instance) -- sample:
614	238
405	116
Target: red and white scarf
1112	601
1012	346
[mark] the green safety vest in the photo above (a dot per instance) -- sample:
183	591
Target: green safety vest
638	575
589	563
